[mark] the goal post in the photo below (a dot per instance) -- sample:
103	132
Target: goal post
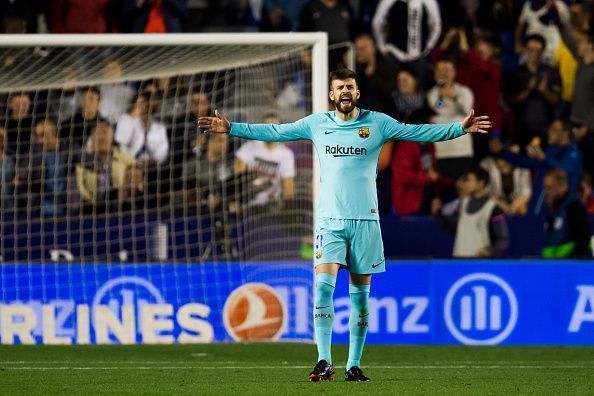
125	226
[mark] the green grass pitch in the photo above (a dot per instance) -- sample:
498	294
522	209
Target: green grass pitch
281	369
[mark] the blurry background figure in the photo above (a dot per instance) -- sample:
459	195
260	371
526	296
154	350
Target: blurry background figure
534	91
478	223
509	186
567	229
408	96
541	17
414	173
140	136
6	173
451	102
101	170
332	16
115	96
77	130
561	152
270	171
152	16
374	77
130	195
406	32
83	16
586	194
18	124
478	69
42	177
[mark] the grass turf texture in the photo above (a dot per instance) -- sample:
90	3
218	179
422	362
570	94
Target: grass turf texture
281	369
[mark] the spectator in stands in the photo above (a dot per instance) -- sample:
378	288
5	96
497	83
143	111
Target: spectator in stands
78	129
414	177
567	229
186	141
20	16
208	174
478	222
270	169
509	186
280	15
163	99
82	16
115	97
18	125
140	136
585	193
131	195
405	32
541	17
6	173
153	16
332	16
451	101
534	91
561	153
63	102
41	178
408	96
582	115
374	77
102	169
476	68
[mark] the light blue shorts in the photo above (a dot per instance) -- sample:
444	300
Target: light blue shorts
355	244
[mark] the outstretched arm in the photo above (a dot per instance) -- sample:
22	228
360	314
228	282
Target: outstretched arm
435	132
267	132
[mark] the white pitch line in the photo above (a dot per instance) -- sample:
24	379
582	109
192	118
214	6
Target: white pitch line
401	367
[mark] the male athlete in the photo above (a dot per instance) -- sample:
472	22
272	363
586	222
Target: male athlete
348	141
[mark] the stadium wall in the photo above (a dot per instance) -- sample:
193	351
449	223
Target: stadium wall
422	302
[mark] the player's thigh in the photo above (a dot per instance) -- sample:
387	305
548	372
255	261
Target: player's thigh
359	279
331	269
330	244
366	249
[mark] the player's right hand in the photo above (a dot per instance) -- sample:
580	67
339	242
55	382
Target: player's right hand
216	124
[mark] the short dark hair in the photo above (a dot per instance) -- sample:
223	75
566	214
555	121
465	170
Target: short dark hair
480	174
539	38
341	74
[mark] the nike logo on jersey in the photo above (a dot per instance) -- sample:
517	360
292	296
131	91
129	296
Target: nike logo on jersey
325	306
329	132
362	316
376	265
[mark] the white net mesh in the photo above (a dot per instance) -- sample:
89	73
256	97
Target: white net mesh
163	191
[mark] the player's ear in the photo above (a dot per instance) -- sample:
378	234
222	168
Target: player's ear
331	95
358	94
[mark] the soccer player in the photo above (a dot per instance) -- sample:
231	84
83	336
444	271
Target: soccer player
348	141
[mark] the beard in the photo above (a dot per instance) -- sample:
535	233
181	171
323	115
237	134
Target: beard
345	103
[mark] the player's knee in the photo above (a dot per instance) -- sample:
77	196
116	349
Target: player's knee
359	296
325	284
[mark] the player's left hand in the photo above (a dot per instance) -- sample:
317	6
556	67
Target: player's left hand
472	124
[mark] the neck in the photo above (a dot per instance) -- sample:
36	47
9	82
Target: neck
348	116
89	115
479	194
102	155
588	58
532	66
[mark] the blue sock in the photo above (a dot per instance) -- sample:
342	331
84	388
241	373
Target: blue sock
358	323
324	314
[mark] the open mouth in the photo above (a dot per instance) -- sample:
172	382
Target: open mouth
345	101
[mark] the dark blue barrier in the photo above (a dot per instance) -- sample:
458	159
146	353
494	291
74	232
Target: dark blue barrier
422	302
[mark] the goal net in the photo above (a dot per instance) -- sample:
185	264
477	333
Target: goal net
113	199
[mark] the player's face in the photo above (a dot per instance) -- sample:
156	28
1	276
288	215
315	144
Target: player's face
344	95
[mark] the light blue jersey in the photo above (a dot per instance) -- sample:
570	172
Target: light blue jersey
348	153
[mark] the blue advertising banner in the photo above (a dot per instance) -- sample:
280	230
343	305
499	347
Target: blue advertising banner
470	302
154	303
477	302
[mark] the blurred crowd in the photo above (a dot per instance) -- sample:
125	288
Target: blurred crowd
528	64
